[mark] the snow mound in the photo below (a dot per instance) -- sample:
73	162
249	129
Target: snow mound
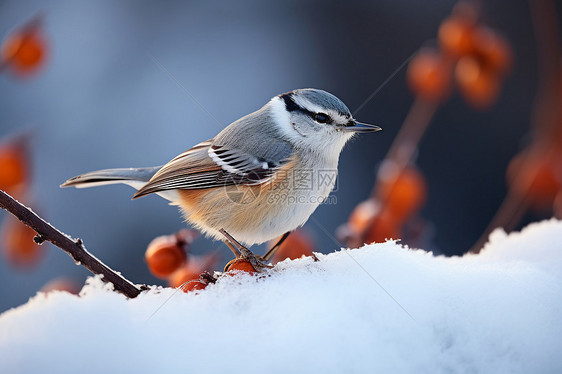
380	308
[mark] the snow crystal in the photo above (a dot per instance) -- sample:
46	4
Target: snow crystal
380	308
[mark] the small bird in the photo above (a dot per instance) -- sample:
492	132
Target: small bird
260	178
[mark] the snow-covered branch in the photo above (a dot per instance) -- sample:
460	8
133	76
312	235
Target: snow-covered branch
74	247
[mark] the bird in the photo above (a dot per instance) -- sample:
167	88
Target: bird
259	178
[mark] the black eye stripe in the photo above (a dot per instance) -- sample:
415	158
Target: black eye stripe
292	106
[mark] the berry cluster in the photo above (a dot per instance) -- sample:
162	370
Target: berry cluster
471	54
399	194
23	53
168	257
474	58
18	246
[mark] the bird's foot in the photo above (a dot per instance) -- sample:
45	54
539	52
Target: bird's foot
244	257
249	263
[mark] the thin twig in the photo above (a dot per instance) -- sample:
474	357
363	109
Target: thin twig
74	247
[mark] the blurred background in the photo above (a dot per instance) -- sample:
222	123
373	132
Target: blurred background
109	94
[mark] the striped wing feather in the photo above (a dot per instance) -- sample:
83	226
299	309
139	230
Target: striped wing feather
208	166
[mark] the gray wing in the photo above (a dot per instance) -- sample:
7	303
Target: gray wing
257	135
209	165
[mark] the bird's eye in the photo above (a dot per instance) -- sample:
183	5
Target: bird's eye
322	118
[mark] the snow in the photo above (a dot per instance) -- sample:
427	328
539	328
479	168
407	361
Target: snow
495	312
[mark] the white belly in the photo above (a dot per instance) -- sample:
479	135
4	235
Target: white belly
291	203
281	206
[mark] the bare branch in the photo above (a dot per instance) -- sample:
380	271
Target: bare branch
74	247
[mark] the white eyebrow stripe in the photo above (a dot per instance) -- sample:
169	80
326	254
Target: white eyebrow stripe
311	107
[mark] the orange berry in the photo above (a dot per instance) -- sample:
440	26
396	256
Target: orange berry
363	214
429	75
14	168
532	174
24	50
194	285
240	264
164	255
479	85
456	35
193	269
184	274
493	49
384	226
402	191
202	281
368	224
297	244
17	243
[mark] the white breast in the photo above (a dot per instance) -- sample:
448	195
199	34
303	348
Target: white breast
293	202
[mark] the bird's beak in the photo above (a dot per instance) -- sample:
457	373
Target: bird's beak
361	127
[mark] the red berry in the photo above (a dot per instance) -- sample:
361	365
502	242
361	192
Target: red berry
429	75
14	167
493	49
478	84
402	191
164	255
456	35
196	282
194	285
240	264
384	226
193	269
368	224
24	50
184	274
363	215
17	243
532	174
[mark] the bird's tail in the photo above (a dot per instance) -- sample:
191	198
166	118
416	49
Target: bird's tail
134	177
